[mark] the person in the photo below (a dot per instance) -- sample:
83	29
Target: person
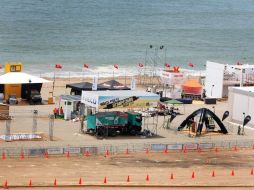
61	110
182	94
55	112
204	94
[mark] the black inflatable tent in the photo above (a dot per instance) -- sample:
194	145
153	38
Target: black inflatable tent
204	115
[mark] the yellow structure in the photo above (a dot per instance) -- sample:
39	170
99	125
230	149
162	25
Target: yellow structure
13	67
10	89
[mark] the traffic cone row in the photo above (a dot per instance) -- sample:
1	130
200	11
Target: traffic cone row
80	182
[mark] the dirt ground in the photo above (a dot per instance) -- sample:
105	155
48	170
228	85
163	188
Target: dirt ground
159	166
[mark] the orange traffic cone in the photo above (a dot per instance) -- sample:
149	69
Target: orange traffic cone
22	156
213	174
3	156
46	155
235	148
128	178
253	146
5	185
147	178
252	172
216	149
233	173
193	175
105	180
147	151
184	149
68	154
30	183
87	154
55	184
172	176
80	181
107	153
165	151
127	151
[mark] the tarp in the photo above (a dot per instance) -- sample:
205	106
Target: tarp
20	78
122	98
173	102
87	86
114	85
192	86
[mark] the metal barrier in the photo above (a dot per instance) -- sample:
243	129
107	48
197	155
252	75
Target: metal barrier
121	148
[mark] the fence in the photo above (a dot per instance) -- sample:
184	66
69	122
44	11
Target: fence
121	148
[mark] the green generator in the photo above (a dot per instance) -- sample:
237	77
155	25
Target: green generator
113	123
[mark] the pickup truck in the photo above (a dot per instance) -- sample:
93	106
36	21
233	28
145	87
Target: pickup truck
35	97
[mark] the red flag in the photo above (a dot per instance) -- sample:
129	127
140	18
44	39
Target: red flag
167	65
141	65
86	66
116	66
58	66
190	65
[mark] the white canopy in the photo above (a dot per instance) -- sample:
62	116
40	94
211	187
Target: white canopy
20	78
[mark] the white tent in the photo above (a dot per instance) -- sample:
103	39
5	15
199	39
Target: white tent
241	103
20	78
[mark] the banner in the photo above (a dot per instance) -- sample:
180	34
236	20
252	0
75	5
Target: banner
119	98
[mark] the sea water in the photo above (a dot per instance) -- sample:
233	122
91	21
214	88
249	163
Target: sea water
42	33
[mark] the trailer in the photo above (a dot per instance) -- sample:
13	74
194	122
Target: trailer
114	123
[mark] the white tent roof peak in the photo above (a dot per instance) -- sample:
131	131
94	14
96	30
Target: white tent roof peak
20	78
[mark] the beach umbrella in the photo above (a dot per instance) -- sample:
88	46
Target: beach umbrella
86	66
190	65
166	65
58	66
225	115
116	66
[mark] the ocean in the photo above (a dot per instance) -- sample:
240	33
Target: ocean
42	33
